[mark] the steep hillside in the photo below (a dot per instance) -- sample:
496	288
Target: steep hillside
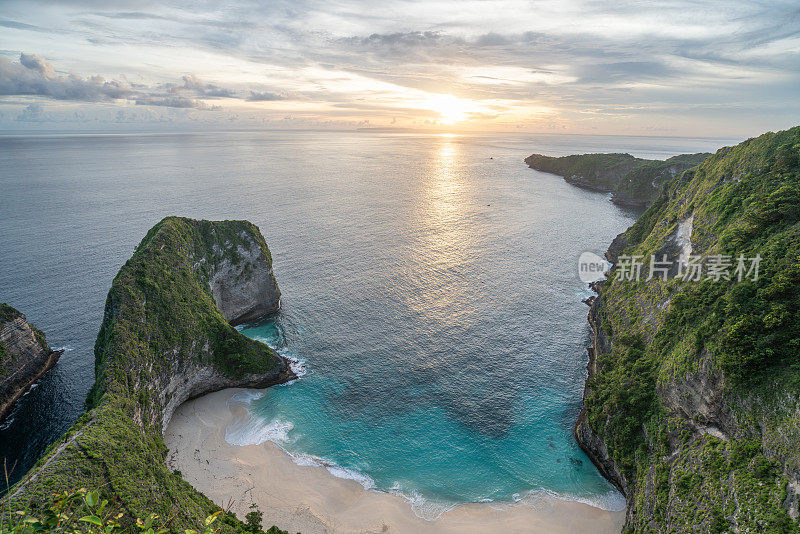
633	181
692	406
642	184
166	337
24	357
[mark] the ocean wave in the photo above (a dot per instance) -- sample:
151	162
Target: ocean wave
253	431
308	460
246	397
297	365
611	501
426	509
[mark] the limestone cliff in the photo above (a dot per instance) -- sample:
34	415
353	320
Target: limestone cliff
166	337
692	405
24	357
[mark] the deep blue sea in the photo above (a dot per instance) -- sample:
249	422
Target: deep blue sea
429	282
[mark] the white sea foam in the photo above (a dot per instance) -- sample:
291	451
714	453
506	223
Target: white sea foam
612	501
253	431
308	460
297	365
246	397
423	508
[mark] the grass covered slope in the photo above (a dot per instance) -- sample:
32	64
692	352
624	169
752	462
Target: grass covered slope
163	340
633	181
693	402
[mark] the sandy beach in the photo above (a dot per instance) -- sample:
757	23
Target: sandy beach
310	500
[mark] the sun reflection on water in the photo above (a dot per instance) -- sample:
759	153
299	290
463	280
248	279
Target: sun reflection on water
442	257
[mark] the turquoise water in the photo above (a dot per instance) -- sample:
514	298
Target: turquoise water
429	288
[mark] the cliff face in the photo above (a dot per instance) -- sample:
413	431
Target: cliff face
24	357
166	337
244	287
634	182
692	406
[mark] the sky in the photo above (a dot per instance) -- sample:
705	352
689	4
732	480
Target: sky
684	68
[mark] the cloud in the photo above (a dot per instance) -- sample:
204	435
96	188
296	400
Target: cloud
627	71
37	63
574	57
265	96
22	26
200	89
32	113
171	102
35	76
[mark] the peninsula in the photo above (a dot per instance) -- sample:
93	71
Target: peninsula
166	337
634	182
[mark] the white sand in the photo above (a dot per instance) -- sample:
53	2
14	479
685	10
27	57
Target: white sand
311	500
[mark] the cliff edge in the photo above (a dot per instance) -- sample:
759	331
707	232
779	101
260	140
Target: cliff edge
166	337
692	405
24	357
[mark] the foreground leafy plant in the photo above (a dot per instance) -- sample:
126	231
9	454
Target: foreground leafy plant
85	512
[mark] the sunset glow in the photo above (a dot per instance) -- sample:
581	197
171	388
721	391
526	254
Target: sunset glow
563	67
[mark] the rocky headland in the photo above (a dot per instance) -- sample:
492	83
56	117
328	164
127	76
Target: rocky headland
166	337
634	182
24	357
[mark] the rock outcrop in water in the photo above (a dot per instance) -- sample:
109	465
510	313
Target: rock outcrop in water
166	337
692	405
634	182
24	357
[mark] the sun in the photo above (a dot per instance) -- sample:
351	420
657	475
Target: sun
451	109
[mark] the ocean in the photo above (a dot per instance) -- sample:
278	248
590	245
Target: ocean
430	292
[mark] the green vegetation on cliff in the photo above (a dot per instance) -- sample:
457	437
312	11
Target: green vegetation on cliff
7	313
698	399
160	301
163	340
633	181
